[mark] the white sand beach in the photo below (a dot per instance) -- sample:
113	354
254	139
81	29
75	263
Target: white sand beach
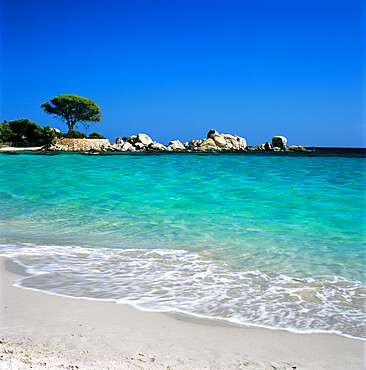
43	331
20	149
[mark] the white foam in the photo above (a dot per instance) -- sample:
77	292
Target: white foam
185	282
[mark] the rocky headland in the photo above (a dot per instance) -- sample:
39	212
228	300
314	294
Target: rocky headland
214	142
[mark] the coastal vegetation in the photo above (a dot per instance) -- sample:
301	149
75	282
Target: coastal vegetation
73	109
23	130
95	135
73	134
6	134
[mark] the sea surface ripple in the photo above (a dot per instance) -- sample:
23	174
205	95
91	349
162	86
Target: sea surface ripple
275	241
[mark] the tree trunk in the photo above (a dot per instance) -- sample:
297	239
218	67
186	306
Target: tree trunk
70	123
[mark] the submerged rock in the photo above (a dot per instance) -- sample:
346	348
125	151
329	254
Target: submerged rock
259	147
297	148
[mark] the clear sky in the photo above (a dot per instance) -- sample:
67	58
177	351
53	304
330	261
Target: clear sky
174	69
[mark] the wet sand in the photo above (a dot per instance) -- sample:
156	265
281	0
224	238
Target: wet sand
48	331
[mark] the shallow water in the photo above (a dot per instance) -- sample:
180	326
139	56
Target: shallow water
276	240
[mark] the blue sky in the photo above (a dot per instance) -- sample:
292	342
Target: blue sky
175	69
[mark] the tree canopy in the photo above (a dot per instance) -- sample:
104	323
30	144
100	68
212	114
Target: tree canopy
6	134
73	109
25	130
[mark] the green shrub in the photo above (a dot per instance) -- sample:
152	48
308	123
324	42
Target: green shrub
125	138
72	134
47	135
61	134
6	134
95	135
25	130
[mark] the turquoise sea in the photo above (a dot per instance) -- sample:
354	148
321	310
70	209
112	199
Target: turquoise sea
274	240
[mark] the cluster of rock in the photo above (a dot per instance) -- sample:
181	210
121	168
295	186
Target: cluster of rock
278	143
142	142
138	142
213	142
216	141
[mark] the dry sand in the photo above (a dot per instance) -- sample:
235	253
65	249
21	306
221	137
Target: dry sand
43	331
20	149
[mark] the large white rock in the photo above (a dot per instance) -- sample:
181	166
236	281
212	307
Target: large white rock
140	146
119	141
228	136
144	139
231	142
208	142
126	146
242	142
234	142
219	141
193	144
212	133
157	146
132	139
176	145
279	142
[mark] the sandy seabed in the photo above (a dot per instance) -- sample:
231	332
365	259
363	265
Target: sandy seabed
43	331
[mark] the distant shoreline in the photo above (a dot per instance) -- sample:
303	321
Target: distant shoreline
310	151
214	142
